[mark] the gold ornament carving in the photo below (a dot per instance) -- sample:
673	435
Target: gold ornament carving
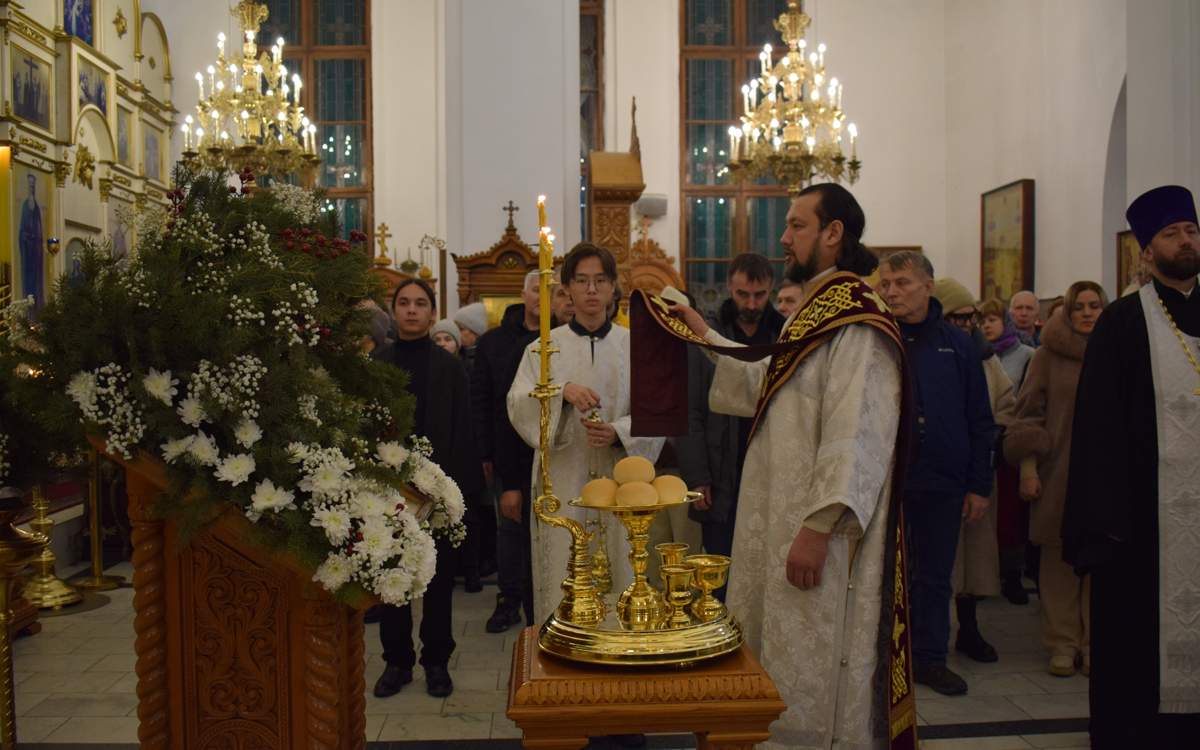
85	166
28	31
150	60
62	170
612	231
33	143
105	188
122	180
120	24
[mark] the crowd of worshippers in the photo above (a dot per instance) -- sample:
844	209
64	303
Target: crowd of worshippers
993	387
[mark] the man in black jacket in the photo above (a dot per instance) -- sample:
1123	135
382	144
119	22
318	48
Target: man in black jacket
505	455
438	381
712	453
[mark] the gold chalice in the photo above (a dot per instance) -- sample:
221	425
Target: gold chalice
671	553
677	592
712	571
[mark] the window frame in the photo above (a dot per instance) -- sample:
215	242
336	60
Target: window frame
738	194
307	52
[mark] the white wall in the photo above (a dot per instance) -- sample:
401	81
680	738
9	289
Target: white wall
1030	91
641	59
1163	94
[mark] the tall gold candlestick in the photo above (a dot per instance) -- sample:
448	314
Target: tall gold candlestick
16	547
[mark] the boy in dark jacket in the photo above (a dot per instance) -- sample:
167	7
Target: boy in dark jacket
950	471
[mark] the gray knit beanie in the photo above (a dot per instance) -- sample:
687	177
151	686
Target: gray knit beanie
446	326
473	317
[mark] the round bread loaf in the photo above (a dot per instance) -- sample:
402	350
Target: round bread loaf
599	492
670	488
634	494
633	469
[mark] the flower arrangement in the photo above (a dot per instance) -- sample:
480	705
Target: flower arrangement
228	344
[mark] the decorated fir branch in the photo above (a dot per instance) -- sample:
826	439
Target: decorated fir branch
229	346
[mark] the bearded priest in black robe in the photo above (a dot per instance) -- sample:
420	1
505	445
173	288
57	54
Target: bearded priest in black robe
1133	502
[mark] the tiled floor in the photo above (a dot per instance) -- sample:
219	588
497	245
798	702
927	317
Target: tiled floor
75	683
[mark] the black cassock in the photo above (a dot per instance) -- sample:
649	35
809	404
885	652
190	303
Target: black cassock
1110	528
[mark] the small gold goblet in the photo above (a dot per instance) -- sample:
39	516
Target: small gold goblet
711	573
677	591
671	553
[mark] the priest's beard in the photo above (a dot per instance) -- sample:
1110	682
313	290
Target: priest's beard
799	273
1185	265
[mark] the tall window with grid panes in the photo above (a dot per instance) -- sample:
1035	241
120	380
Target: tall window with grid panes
329	45
719	45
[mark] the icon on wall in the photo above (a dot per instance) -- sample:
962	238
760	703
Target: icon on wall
93	86
30	88
77	19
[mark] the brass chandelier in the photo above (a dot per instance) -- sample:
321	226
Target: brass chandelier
793	127
248	114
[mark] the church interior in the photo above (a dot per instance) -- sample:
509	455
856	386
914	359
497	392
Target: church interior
1001	140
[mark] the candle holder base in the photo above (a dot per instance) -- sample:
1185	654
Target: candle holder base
98	583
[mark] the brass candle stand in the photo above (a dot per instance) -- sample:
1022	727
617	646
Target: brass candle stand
44	589
16	548
97	581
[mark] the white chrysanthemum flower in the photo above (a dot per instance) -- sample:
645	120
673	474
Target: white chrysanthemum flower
394	586
297	452
191	412
204	449
392	453
161	386
370	505
268	497
323	481
173	449
334	521
236	469
334	572
376	541
82	390
247	433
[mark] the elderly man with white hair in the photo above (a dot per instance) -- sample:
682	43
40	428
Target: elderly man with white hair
1024	308
507	461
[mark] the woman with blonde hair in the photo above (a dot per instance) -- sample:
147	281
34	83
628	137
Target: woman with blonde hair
1039	441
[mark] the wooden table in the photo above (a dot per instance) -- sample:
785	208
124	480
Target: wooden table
727	702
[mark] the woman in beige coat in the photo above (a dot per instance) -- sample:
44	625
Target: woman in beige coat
1039	441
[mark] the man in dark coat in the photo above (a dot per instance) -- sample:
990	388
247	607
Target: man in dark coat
950	469
1132	516
497	356
438	381
712	453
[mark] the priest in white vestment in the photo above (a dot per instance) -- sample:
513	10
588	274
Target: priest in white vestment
592	365
810	574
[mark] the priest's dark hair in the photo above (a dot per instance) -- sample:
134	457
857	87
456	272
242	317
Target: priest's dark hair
753	266
424	288
838	204
587	250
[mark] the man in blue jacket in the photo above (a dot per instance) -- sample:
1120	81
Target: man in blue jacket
950	465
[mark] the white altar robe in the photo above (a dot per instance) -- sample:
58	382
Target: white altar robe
828	437
603	366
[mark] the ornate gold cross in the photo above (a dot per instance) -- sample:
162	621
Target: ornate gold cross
381	236
511	208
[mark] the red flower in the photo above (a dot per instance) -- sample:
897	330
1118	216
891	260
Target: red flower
357	236
306	247
291	245
319	254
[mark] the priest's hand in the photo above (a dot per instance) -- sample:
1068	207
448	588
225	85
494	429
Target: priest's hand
584	399
806	558
704	502
691	318
599	434
510	505
1030	489
974	506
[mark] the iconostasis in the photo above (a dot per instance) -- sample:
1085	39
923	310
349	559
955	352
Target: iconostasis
84	133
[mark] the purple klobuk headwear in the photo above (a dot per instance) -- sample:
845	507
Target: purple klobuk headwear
1157	208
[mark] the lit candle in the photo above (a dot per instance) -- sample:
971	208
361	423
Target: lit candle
200	83
810	142
733	139
746	97
762	59
853	130
187	137
199	135
821	54
296	84
221	44
212	80
546	267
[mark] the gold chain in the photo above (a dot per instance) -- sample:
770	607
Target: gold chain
1187	350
